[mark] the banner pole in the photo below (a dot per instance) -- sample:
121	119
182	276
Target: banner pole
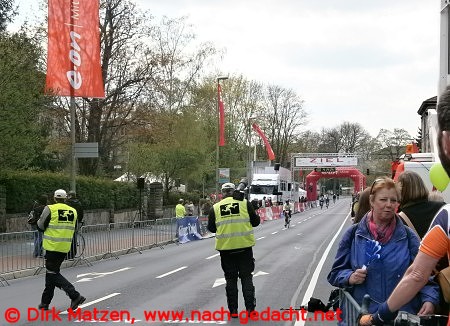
73	170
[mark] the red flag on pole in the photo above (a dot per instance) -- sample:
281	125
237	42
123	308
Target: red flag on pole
221	117
73	60
266	142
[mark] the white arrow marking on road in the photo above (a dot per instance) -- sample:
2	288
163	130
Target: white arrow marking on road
99	274
90	303
212	256
171	272
221	281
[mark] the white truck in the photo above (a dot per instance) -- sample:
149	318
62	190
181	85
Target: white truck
276	185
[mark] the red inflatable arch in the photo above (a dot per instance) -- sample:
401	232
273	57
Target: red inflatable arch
358	178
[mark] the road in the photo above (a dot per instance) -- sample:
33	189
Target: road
291	266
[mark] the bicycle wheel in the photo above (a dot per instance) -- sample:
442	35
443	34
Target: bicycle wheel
80	245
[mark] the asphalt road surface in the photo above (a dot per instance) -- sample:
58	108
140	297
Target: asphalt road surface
184	283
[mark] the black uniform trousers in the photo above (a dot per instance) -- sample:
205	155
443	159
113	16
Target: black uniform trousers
239	263
53	277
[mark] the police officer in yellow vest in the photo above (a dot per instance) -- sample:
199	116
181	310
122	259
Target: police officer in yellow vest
233	221
57	221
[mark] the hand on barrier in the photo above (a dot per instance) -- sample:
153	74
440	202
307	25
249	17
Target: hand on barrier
368	320
365	320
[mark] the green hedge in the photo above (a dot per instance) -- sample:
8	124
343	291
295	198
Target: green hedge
23	187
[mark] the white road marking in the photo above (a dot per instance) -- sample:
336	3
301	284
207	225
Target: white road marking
221	281
171	272
99	274
90	303
210	257
275	232
260	238
315	276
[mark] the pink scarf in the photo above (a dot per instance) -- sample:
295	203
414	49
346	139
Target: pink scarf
381	233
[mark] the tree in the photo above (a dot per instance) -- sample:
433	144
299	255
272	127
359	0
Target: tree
307	142
393	143
21	102
419	138
7	12
284	115
354	137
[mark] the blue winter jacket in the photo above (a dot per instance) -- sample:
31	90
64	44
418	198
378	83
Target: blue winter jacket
384	274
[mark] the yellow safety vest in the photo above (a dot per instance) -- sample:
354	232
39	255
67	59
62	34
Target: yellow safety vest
234	230
180	211
59	232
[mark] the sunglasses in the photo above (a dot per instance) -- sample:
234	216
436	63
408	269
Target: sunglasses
374	183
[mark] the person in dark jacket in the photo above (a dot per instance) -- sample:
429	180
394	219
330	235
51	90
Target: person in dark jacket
74	202
37	211
363	205
415	203
233	220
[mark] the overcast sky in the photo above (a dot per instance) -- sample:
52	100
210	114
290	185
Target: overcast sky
366	61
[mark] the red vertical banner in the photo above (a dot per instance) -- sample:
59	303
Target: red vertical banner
73	60
266	142
221	117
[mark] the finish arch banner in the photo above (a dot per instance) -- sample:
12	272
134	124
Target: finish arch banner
73	60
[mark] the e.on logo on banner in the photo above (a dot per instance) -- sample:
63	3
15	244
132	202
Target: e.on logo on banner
73	60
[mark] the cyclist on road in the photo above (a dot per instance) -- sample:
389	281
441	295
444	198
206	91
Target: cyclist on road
287	211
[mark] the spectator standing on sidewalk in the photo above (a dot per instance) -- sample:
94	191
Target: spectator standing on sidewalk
35	214
435	243
74	202
57	221
180	211
233	220
190	208
206	207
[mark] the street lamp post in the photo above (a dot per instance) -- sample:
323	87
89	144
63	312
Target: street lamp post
218	133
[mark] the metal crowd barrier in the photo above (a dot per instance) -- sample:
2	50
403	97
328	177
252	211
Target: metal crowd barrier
350	308
98	242
16	252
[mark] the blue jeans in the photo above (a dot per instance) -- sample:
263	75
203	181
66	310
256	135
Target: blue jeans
37	243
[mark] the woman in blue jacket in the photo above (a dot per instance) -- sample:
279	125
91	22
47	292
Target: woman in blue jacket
352	269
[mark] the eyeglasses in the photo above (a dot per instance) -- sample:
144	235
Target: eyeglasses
374	182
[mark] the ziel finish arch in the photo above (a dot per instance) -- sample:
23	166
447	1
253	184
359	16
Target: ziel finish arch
359	179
